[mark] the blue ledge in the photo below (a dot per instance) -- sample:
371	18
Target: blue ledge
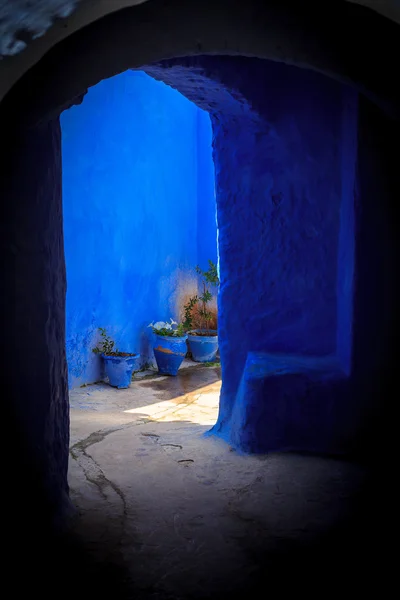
260	365
289	403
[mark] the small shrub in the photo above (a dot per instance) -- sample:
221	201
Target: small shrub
197	314
106	344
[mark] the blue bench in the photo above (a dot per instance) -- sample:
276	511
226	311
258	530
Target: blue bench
288	403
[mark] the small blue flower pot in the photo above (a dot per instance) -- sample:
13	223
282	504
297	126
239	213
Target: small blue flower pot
119	369
169	353
204	348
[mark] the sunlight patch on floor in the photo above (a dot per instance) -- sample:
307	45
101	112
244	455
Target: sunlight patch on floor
200	407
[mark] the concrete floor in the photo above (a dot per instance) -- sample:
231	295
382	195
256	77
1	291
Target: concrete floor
185	516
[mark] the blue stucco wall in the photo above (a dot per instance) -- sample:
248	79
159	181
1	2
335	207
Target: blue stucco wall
206	218
285	148
133	156
278	197
285	180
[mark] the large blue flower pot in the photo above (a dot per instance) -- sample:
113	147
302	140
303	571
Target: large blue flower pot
119	369
204	348
169	353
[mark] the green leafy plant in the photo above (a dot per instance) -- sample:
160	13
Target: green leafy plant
211	275
180	330
200	302
106	344
166	328
188	313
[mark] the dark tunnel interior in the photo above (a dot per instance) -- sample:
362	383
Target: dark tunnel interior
306	184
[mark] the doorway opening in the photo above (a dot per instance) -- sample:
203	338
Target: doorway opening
252	166
139	223
139	215
284	174
284	188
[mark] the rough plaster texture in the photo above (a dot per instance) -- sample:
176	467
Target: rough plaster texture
230	99
33	300
371	67
289	403
357	294
285	175
137	166
278	213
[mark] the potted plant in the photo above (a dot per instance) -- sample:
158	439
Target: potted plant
118	365
169	346
203	340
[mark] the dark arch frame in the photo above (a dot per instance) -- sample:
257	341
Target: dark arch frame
321	38
330	37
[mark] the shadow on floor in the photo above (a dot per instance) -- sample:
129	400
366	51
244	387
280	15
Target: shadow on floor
187	381
343	559
166	513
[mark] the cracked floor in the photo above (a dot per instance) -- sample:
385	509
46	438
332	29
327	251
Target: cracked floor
181	513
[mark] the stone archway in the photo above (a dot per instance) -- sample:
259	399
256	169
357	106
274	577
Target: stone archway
34	275
305	36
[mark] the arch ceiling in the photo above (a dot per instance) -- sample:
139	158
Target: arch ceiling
41	24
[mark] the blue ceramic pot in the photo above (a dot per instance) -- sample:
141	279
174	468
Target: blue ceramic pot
119	369
169	353
204	348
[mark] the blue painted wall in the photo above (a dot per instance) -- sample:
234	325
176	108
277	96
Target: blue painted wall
285	148
134	153
206	218
285	179
279	219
